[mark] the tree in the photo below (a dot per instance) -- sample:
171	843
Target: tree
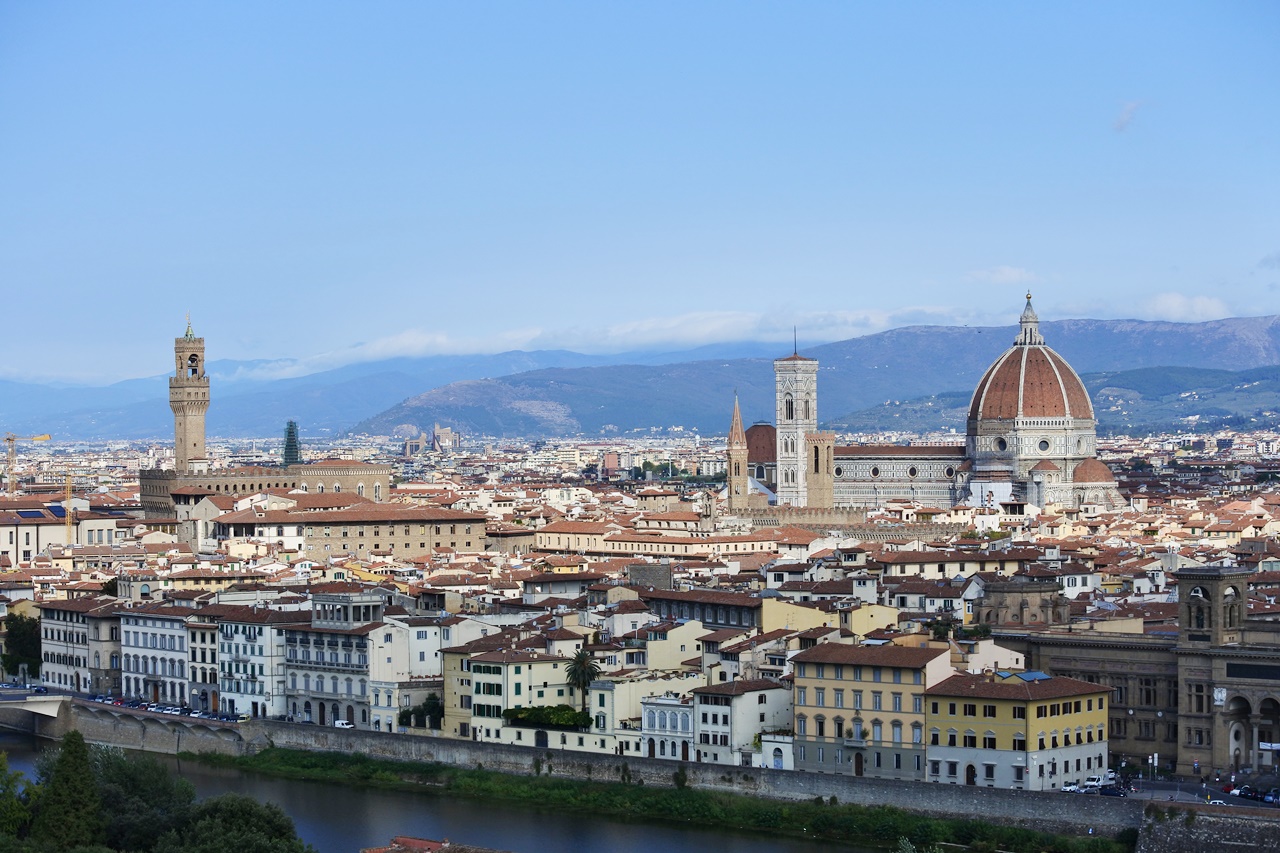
146	800
429	711
22	644
581	671
235	822
69	810
14	813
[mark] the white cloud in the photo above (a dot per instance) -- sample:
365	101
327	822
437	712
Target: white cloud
1127	113
1179	307
1003	275
680	331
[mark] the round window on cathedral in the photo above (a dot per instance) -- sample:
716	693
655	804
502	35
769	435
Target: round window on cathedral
1001	444
875	472
1080	445
949	472
839	471
1043	445
912	472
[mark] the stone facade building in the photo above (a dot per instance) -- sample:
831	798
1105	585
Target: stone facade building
174	493
1030	438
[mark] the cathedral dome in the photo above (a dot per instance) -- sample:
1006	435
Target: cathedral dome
1093	471
1030	380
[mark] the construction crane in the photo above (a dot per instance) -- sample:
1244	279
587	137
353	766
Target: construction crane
11	444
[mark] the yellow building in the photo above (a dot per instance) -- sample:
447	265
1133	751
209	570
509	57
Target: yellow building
859	710
1016	730
480	684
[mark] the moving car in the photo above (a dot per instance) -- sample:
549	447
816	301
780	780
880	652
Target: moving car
343	724
1112	791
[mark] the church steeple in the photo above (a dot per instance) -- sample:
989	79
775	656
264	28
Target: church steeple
738	478
737	435
1030	322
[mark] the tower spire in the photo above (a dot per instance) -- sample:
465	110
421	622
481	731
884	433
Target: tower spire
737	435
1030	323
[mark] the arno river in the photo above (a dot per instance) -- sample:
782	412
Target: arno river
337	819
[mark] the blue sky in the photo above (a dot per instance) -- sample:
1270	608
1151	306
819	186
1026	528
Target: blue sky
332	182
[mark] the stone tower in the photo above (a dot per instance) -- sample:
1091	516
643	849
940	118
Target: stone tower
1211	605
796	393
189	399
819	454
737	476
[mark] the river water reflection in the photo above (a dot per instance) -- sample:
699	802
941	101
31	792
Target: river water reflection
337	819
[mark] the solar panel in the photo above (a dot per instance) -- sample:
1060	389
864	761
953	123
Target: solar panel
30	513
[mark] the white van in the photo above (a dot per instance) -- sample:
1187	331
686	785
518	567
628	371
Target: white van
343	724
1093	783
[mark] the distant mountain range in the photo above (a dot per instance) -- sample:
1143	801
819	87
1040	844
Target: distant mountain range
1144	376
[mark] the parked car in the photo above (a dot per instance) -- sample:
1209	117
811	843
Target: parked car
1070	787
1271	796
343	724
1241	791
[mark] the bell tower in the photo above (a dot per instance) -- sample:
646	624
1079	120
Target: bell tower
738	479
1211	604
189	399
796	396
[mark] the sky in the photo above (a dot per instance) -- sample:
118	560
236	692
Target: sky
323	183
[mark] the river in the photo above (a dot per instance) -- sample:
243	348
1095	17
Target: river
336	819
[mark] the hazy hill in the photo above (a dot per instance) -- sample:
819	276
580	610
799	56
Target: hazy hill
559	392
1150	399
857	375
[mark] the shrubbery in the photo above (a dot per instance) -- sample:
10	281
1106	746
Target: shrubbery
98	799
554	716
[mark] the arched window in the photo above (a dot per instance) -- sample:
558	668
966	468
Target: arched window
651	720
788	408
360	489
377	491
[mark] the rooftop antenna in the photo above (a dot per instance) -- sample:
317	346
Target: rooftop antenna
795	341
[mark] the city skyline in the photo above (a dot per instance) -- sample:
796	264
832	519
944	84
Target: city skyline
473	180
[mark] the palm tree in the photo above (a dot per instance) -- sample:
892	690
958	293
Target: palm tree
581	671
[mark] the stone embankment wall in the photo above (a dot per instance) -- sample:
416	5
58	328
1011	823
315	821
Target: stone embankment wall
1213	828
1050	812
1163	830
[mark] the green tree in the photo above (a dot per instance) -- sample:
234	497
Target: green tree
429	711
146	800
581	671
22	644
69	809
14	814
235	822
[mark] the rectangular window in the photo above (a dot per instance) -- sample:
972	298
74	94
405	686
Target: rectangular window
988	710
